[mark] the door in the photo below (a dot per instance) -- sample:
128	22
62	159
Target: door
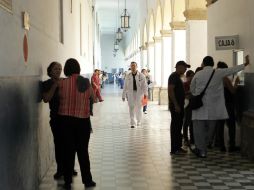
238	58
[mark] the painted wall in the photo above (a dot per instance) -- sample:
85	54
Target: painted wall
227	18
26	145
196	36
236	17
108	60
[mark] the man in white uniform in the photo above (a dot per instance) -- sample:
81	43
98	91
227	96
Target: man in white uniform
213	109
135	88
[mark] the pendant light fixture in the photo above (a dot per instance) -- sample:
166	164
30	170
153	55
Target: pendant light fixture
119	33
116	46
125	19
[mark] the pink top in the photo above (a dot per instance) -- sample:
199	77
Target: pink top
72	102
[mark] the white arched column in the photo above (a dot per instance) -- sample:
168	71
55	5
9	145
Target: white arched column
178	42
196	36
166	65
143	56
138	59
150	58
157	68
157	60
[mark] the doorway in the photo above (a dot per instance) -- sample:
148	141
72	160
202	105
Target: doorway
238	59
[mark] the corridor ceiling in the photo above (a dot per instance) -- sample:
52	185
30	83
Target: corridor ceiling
108	13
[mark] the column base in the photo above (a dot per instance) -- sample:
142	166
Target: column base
155	93
247	131
163	96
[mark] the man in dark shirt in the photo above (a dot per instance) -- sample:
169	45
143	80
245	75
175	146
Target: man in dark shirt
176	97
50	95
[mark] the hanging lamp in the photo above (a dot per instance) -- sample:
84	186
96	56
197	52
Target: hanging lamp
125	20
119	33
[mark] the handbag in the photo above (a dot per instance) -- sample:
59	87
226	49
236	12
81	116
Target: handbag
144	101
196	101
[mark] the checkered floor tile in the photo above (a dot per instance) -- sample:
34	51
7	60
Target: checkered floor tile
138	159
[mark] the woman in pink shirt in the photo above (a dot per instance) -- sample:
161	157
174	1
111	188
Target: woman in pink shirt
74	110
95	80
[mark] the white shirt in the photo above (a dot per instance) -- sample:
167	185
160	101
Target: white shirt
141	85
214	103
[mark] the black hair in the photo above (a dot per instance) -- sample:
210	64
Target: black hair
189	73
198	69
71	67
208	61
143	70
222	65
50	67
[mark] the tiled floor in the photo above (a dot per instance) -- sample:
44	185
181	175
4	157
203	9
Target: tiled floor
138	159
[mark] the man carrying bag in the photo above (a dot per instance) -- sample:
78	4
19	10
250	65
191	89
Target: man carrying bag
196	101
213	109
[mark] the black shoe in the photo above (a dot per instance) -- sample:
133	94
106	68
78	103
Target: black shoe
182	151
90	184
210	146
132	126
223	149
201	155
234	149
178	152
58	175
74	173
198	153
67	186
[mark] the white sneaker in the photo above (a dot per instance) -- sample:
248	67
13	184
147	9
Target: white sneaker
139	124
145	112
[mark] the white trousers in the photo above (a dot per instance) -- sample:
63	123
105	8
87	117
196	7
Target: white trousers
203	131
135	108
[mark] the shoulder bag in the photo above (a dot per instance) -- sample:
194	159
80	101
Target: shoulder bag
196	101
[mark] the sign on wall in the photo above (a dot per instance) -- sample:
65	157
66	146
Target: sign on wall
6	4
227	42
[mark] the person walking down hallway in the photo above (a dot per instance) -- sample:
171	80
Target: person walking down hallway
95	81
144	72
213	109
135	88
74	110
176	97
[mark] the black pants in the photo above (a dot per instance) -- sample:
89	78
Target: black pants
187	124
56	131
76	136
175	129
219	140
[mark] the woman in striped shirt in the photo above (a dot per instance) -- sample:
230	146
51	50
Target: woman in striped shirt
74	110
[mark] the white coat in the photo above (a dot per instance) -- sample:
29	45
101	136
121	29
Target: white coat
142	88
214	103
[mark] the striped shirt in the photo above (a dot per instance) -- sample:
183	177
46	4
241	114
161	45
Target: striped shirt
72	102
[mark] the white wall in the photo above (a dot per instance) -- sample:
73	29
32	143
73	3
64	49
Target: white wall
20	80
108	60
196	38
227	18
97	44
43	37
